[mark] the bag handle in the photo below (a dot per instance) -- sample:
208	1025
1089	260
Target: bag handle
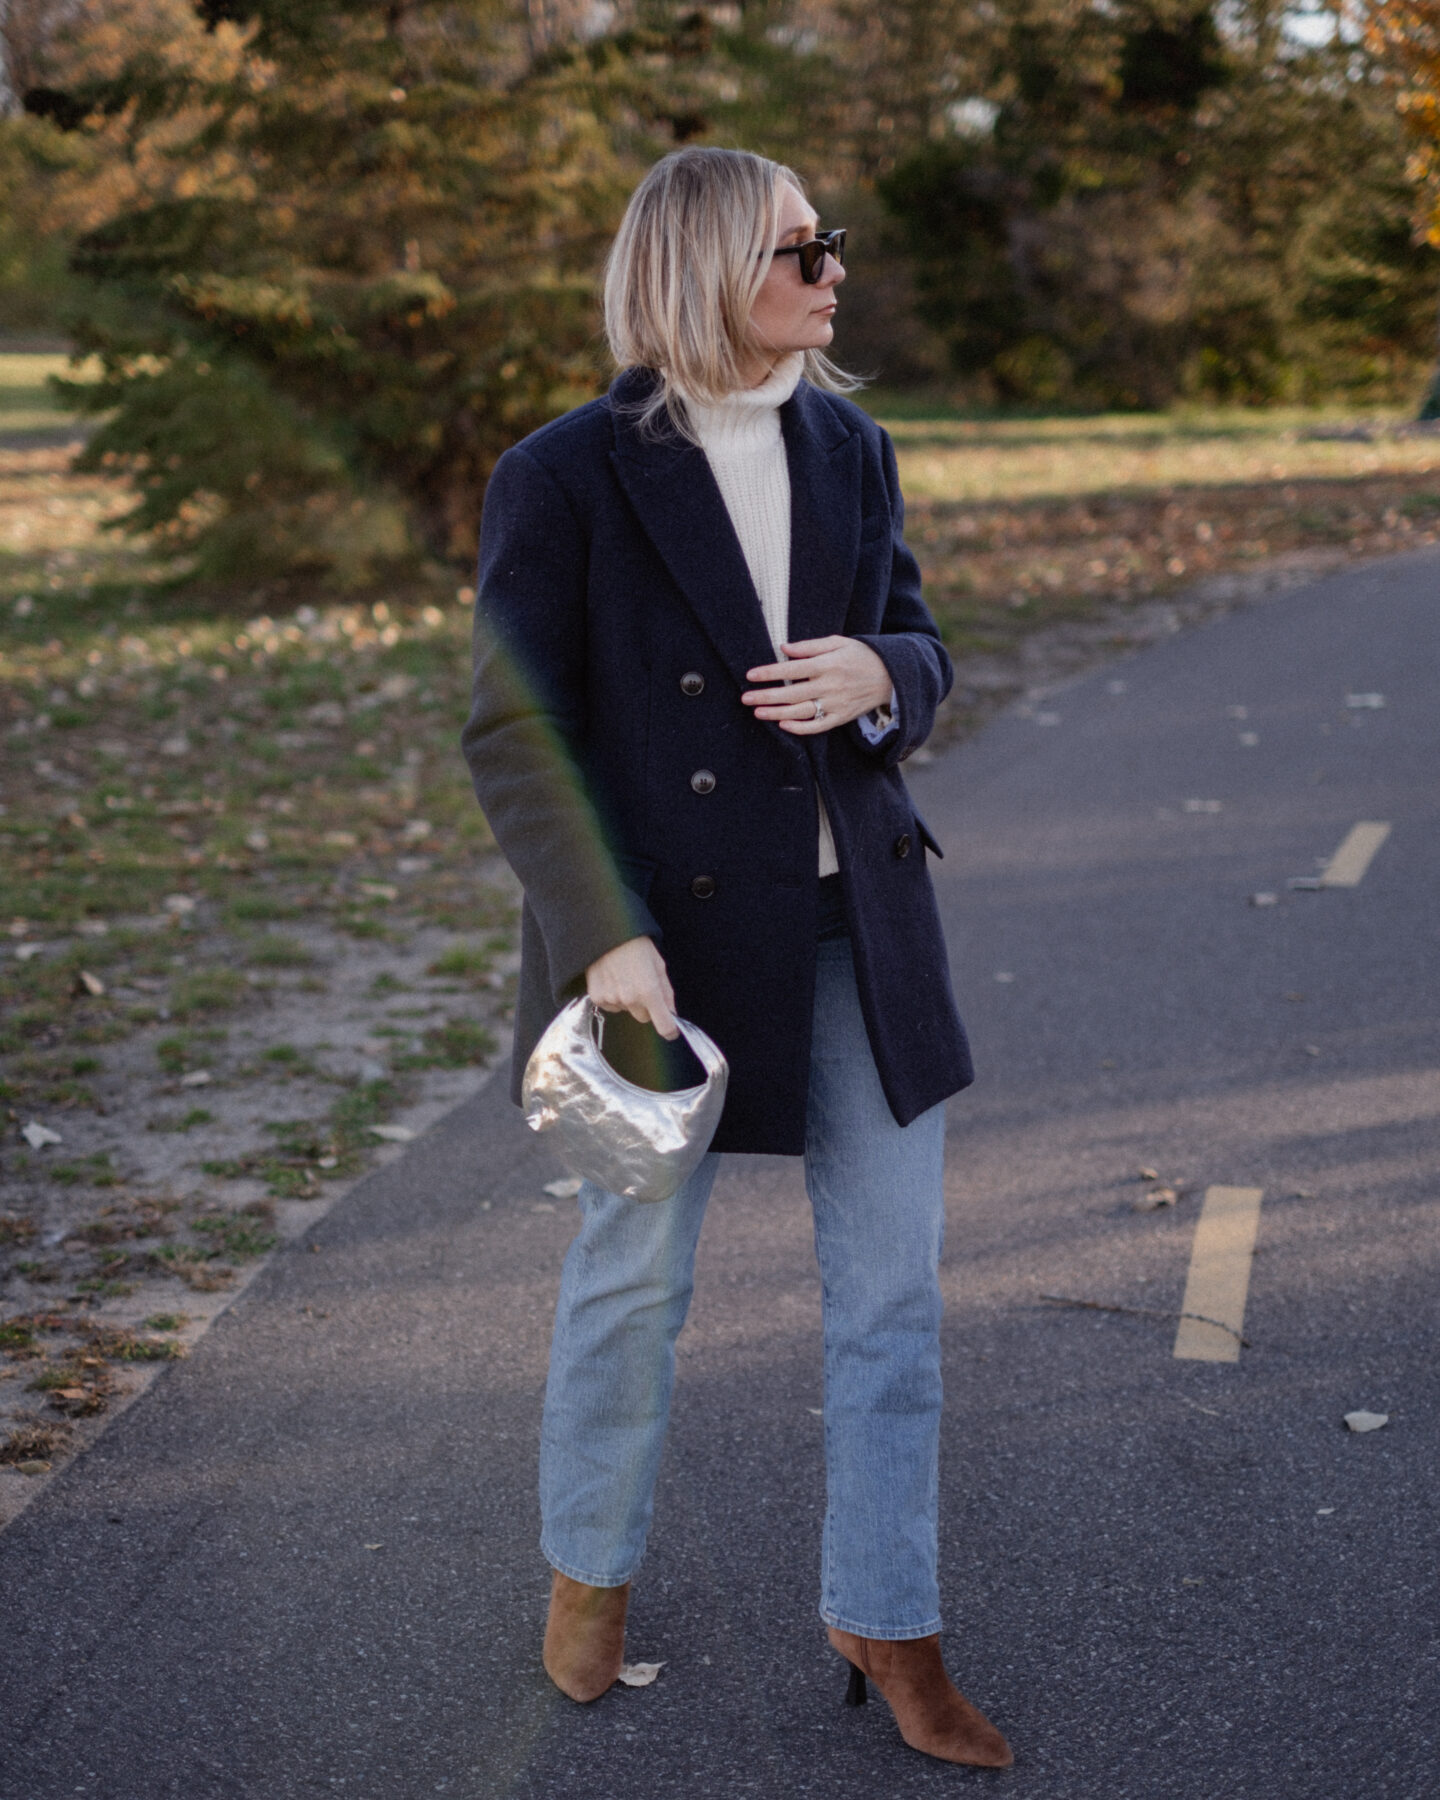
707	1052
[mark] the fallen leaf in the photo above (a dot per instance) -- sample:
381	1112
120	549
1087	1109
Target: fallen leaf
33	1466
1154	1199
175	746
415	829
1364	702
639	1674
1004	976
1249	739
90	984
257	840
1192	1581
374	1546
1264	898
196	1078
37	1136
71	1393
1144	1174
565	1189
1323	1512
179	904
379	890
1366	1421
341	840
93	928
542	1206
1203	806
24	952
328	1162
393	1134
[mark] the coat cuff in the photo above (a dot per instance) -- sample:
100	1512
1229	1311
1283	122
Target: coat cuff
575	936
876	725
920	674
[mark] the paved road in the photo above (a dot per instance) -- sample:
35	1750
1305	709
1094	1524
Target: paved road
304	1564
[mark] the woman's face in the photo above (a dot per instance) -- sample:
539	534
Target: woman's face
789	313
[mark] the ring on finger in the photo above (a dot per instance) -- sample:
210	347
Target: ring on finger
819	712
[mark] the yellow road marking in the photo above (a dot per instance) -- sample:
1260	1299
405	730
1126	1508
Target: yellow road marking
1219	1277
1346	868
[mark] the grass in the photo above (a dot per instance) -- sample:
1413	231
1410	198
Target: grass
984	460
186	1121
26	401
274	951
239	1235
1021	523
456	1044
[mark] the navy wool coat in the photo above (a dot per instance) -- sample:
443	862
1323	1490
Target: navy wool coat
633	793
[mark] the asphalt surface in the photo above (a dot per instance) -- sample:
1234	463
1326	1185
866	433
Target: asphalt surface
305	1564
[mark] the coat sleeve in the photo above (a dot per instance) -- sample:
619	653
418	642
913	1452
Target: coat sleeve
528	714
908	642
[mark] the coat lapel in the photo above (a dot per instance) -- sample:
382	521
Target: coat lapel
669	484
675	497
824	459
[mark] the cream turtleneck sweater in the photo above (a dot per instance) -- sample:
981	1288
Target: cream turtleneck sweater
743	445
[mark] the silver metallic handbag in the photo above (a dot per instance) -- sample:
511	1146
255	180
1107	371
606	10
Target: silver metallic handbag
626	1139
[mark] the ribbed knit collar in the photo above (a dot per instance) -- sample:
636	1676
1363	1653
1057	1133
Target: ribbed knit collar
748	419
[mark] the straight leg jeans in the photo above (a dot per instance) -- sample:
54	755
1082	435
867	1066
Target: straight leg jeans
876	1193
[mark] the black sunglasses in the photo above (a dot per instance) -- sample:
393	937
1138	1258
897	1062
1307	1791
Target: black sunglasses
812	255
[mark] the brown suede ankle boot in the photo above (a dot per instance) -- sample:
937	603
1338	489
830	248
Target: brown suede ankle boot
584	1637
933	1715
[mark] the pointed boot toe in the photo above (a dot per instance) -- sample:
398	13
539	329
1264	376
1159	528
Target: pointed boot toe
934	1717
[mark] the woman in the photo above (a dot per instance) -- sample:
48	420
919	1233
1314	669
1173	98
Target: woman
701	656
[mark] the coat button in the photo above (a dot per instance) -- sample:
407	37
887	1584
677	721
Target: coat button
703	782
693	683
703	887
902	845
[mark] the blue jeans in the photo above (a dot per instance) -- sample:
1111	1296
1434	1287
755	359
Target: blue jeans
876	1192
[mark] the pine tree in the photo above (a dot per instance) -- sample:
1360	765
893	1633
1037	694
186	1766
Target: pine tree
372	269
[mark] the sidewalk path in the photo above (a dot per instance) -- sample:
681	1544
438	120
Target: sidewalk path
304	1563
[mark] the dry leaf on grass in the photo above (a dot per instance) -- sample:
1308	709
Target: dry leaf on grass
37	1136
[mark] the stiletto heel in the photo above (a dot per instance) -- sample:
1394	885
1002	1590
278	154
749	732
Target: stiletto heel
933	1715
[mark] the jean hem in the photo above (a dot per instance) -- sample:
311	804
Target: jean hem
890	1634
587	1576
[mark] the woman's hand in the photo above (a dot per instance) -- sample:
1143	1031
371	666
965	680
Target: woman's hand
832	680
631	978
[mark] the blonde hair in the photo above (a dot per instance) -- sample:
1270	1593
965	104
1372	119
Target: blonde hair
683	273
